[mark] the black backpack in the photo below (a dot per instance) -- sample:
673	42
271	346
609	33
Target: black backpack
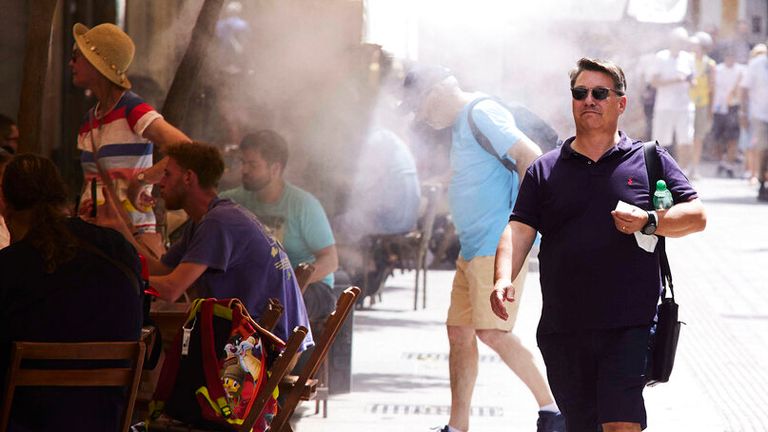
533	126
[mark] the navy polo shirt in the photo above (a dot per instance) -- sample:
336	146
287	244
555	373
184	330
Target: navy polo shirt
592	275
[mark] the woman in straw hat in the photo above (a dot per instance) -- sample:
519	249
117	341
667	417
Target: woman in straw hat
117	135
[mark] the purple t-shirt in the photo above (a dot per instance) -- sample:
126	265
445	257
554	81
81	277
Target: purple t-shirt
243	262
592	275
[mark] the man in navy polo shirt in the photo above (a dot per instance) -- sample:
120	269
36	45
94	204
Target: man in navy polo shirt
599	288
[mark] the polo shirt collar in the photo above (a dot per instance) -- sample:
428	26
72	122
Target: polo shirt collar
624	145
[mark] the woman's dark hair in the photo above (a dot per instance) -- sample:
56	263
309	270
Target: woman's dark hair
33	183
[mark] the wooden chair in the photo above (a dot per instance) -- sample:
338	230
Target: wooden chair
303	272
276	373
20	375
168	319
271	314
432	193
405	251
296	391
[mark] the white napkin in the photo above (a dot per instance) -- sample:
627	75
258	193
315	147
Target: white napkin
644	242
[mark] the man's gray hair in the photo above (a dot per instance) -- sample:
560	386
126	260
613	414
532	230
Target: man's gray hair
605	66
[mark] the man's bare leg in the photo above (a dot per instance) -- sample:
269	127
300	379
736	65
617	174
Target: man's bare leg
508	346
462	364
621	427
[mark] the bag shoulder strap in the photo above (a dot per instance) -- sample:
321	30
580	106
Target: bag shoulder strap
483	140
653	168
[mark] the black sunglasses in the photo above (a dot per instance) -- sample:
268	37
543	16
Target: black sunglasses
598	93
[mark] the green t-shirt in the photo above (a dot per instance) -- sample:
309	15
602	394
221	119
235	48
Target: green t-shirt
297	220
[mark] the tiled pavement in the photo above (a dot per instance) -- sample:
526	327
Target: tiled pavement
720	382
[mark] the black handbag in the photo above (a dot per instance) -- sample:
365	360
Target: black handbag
665	333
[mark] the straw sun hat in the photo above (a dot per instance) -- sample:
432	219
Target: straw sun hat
108	49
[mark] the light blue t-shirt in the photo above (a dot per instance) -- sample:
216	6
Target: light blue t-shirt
482	191
386	192
298	220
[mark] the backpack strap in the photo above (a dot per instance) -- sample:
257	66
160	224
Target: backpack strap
654	171
483	140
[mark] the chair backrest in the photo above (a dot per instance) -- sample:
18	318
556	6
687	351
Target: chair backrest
344	305
271	314
279	368
303	272
19	375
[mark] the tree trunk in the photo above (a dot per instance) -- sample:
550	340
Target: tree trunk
39	31
176	104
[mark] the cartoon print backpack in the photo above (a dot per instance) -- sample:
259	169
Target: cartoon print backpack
215	368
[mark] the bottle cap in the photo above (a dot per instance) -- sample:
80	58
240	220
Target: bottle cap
661	185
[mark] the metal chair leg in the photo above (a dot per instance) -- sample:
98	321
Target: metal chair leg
424	282
416	290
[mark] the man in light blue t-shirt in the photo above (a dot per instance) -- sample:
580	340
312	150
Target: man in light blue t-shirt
482	192
295	216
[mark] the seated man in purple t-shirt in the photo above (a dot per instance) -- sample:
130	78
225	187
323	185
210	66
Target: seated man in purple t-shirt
225	251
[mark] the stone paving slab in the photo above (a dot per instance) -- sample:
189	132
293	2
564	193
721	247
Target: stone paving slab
400	367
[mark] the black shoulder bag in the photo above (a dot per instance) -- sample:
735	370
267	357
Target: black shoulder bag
666	332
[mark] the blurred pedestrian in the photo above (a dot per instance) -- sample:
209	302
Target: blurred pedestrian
599	288
482	191
673	113
701	96
746	145
739	43
725	111
754	114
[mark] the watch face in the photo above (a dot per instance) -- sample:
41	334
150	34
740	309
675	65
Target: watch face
649	229
650	226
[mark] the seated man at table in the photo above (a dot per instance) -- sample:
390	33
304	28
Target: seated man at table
224	252
62	280
295	216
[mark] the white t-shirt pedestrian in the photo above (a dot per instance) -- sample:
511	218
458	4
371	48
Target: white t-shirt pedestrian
726	91
673	96
756	82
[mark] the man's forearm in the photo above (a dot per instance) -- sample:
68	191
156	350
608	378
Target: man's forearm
682	219
168	289
325	263
512	251
524	152
502	266
154	174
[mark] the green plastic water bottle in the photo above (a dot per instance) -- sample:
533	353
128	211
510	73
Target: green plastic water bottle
662	198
